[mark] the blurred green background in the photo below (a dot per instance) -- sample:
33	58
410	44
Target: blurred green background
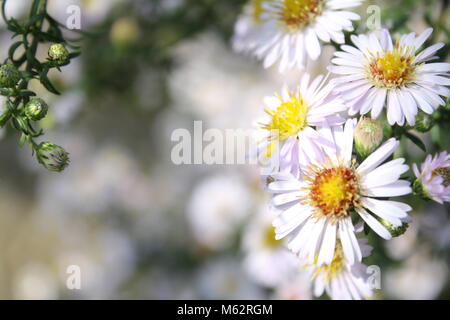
139	226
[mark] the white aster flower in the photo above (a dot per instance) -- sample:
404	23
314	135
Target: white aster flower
434	177
379	71
289	30
318	207
287	130
341	280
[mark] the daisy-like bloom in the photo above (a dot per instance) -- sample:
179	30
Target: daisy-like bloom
287	129
317	208
289	30
379	71
434	177
341	280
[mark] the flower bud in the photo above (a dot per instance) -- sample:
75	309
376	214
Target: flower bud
368	136
36	109
394	230
52	156
424	122
58	52
9	76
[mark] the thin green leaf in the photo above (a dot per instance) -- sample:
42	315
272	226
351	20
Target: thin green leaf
416	140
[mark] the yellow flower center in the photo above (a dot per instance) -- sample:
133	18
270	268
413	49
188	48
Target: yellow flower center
288	119
269	238
391	70
445	174
334	191
336	266
296	14
257	10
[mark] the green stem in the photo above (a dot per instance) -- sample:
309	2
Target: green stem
4	11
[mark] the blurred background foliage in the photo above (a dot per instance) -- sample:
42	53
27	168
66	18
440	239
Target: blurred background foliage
141	227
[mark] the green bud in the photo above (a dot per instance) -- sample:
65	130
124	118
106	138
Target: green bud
419	190
52	156
36	109
368	136
9	76
424	122
58	52
394	230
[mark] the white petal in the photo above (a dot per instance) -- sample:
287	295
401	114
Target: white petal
282	186
284	198
312	44
394	113
326	253
422	38
385	174
374	224
347	145
387	207
398	188
378	103
379	209
290	219
378	156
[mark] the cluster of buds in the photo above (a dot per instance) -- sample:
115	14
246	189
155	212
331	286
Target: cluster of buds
51	156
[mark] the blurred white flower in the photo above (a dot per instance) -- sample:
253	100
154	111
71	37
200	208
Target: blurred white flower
267	261
15	9
434	224
401	247
224	278
297	288
420	277
340	279
35	282
218	86
92	11
105	258
218	206
103	178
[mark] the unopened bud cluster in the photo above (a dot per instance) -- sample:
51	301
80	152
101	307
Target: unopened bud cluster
36	109
58	52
